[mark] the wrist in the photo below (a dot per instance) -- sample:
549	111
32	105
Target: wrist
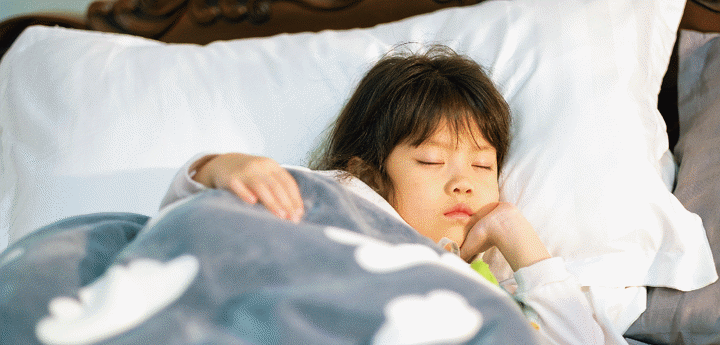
199	170
527	254
518	242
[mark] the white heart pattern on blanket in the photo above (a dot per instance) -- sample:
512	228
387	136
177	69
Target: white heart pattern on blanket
123	297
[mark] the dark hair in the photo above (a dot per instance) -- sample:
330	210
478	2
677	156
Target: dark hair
404	98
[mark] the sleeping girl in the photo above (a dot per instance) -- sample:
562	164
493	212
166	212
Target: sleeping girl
428	134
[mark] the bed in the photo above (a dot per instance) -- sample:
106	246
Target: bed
614	161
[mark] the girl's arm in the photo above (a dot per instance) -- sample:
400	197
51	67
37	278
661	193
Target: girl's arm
252	178
550	297
507	229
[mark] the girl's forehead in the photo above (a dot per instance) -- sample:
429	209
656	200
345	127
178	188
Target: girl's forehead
450	137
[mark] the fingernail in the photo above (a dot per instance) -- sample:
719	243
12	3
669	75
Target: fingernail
297	215
281	213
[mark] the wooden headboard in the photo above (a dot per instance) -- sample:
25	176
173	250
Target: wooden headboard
198	21
205	21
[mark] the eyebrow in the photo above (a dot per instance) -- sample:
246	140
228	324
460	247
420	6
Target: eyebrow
449	146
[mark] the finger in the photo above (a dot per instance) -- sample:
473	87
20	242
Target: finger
281	194
467	254
268	198
291	186
475	242
236	186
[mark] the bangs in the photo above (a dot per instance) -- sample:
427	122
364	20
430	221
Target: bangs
437	103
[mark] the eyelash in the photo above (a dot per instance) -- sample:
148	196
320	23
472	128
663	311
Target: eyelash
439	163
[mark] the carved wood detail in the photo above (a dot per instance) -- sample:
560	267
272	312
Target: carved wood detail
145	18
152	18
254	11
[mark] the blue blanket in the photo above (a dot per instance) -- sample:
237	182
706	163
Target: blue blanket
214	270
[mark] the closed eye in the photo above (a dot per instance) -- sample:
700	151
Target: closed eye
429	163
485	167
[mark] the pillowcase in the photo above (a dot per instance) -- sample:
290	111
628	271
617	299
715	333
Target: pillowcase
673	316
84	114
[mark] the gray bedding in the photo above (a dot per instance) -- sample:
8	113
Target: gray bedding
213	270
677	317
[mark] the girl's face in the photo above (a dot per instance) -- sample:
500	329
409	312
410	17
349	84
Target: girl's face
446	184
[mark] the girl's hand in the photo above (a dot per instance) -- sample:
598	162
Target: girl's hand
253	179
507	229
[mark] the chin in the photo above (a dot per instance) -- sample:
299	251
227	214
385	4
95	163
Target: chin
457	235
454	232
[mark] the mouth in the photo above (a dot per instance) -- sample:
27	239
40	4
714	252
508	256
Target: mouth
459	212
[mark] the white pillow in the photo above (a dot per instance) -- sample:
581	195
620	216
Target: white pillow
586	166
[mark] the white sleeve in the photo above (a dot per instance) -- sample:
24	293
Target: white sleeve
552	300
182	185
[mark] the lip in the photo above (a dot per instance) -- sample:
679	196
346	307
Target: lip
459	211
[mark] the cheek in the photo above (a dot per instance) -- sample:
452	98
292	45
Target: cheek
489	188
402	200
417	208
404	186
408	200
494	192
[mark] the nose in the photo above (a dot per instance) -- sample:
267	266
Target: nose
460	185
